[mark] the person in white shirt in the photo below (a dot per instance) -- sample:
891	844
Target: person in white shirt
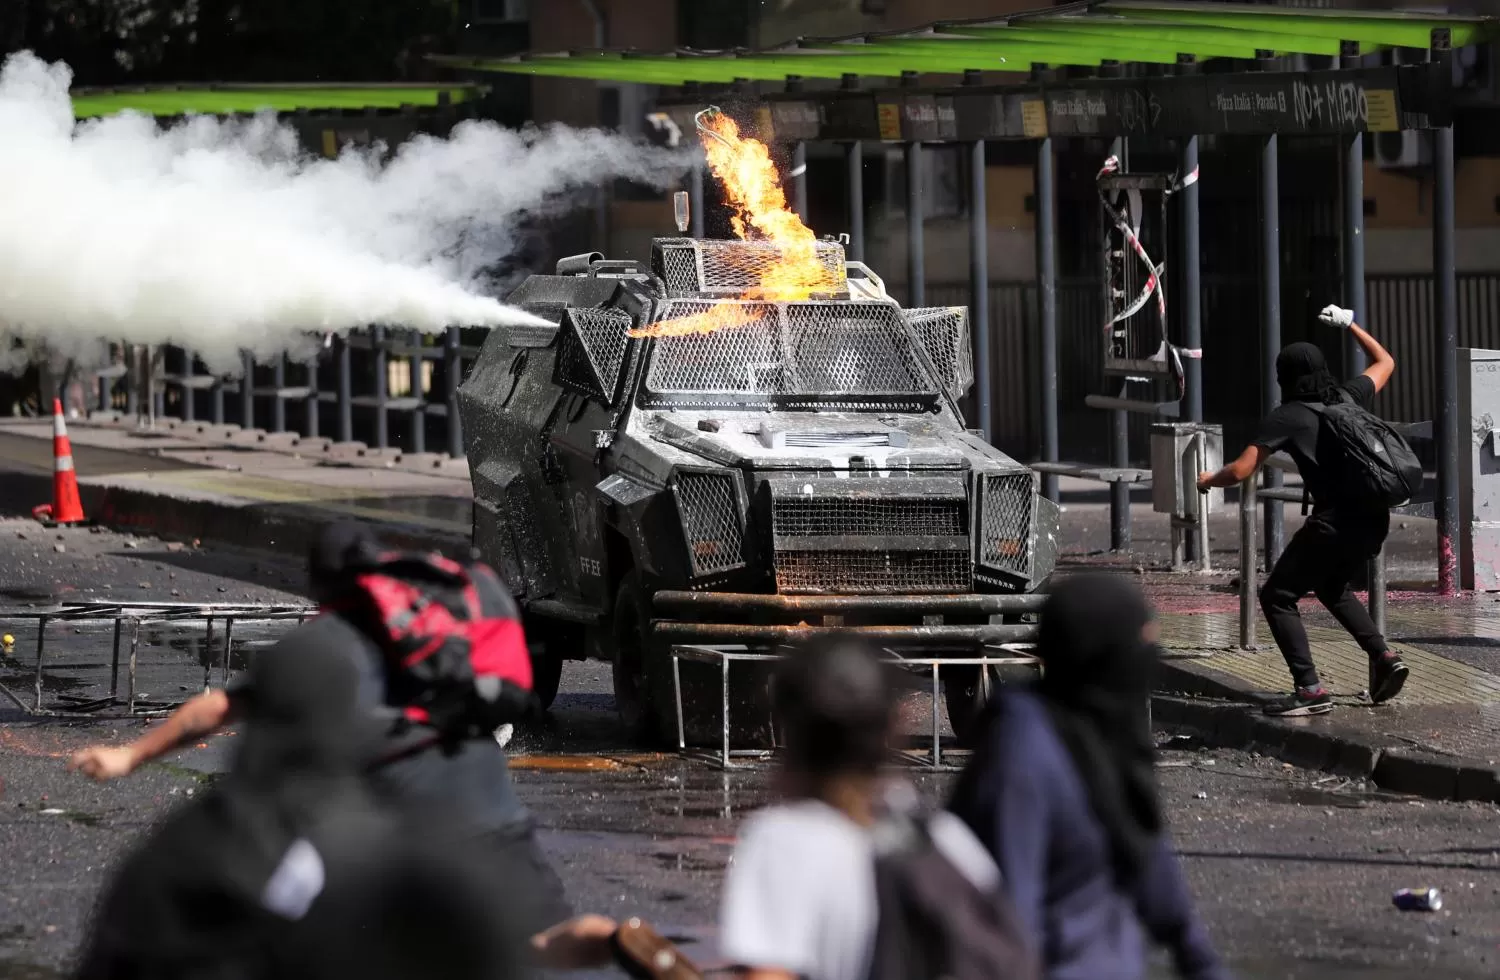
800	897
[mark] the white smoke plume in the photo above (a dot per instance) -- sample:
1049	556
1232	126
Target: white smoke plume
222	235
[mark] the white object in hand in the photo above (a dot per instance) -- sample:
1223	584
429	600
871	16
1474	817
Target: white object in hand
1336	316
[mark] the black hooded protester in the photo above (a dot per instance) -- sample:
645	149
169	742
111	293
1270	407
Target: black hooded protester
1340	536
282	867
1062	790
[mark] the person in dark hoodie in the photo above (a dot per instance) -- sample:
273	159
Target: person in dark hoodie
1062	791
1328	552
282	868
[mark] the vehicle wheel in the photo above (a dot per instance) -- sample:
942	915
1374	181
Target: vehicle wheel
549	642
968	692
630	659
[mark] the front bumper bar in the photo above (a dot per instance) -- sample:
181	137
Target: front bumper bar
752	619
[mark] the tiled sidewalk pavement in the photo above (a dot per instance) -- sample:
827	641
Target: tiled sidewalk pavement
1449	709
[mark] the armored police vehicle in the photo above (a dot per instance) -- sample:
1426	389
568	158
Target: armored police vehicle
666	463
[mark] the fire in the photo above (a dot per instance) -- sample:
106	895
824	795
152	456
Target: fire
760	212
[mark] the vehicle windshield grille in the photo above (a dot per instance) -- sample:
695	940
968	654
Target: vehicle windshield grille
824	349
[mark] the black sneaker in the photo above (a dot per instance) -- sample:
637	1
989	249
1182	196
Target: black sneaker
1387	676
1304	701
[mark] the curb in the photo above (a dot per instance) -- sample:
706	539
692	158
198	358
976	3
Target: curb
1312	744
280	528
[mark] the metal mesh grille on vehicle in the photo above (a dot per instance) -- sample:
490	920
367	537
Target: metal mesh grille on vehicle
605	334
731	267
867	572
812	348
711	520
818	516
943	332
714	267
745	357
573	370
1005	522
678	268
849	347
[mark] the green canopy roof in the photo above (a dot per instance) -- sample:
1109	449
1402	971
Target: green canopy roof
1083	34
225	99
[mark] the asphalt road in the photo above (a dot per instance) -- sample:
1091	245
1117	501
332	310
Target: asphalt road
1293	870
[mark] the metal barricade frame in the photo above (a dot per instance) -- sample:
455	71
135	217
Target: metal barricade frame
724	655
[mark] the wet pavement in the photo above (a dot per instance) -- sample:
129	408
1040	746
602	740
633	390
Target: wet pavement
1293	870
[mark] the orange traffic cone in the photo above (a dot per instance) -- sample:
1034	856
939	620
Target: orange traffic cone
65	508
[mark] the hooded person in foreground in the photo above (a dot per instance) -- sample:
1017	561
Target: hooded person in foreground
288	867
1340	537
1062	791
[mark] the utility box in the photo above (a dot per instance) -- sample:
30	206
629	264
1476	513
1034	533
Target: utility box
1479	470
1179	452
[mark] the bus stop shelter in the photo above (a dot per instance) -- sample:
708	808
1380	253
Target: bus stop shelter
1116	70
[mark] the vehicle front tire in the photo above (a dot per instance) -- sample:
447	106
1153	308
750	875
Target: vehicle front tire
967	693
630	659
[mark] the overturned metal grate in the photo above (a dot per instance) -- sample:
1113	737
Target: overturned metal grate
711	519
105	639
873	572
1006	503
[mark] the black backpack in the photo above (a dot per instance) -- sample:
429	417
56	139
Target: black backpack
933	920
1367	463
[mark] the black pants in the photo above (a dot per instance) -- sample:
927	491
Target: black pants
1323	557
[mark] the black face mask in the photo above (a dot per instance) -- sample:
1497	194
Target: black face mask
1303	374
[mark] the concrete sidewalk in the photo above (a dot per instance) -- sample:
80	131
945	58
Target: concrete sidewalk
250	488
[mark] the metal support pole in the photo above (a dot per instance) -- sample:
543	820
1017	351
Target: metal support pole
453	369
1445	354
41	639
278	404
799	180
135	647
695	200
189	393
114	664
1377	590
313	403
1248	583
854	165
247	391
218	400
1119	430
1270	324
382	416
1354	244
916	256
228	650
979	286
1192	307
418	421
1046	291
132	383
345	390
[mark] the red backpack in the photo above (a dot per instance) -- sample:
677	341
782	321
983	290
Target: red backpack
456	656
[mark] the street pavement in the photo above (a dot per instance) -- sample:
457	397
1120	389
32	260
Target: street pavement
1293	869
